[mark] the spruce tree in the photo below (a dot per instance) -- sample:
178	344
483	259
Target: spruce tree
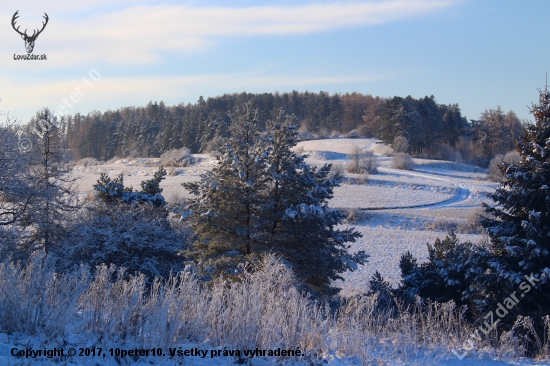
445	276
519	225
382	288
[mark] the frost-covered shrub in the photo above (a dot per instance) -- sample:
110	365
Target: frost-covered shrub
493	172
355	216
171	171
443	152
86	162
305	135
361	162
33	299
402	161
369	163
137	237
177	157
336	170
383	150
353	134
400	144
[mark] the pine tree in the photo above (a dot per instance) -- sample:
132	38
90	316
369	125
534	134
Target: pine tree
113	191
519	225
411	278
261	197
226	213
301	225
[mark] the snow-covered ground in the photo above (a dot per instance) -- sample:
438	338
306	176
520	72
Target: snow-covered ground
395	211
422	204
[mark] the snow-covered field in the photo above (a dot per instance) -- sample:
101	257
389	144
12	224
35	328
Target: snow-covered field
396	211
422	204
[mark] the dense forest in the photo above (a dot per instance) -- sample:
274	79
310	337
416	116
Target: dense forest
432	129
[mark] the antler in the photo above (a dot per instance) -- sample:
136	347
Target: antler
15	16
43	26
34	35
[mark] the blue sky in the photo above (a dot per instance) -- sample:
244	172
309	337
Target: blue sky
477	53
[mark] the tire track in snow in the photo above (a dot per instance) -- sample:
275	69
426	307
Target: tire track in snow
462	193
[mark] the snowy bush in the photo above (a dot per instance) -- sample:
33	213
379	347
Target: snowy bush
336	171
443	152
139	238
494	173
34	299
177	158
171	171
86	162
355	216
353	134
383	150
402	161
400	144
369	162
362	162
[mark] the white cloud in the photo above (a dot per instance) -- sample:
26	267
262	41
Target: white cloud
138	33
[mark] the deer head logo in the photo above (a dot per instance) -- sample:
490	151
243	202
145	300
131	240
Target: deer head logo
29	40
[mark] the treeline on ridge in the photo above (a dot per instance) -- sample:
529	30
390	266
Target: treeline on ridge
432	129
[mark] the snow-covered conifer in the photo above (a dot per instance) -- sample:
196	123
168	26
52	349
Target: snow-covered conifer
382	288
46	218
113	191
445	276
226	212
519	223
299	223
261	197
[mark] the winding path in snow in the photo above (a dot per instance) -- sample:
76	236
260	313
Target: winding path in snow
462	192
